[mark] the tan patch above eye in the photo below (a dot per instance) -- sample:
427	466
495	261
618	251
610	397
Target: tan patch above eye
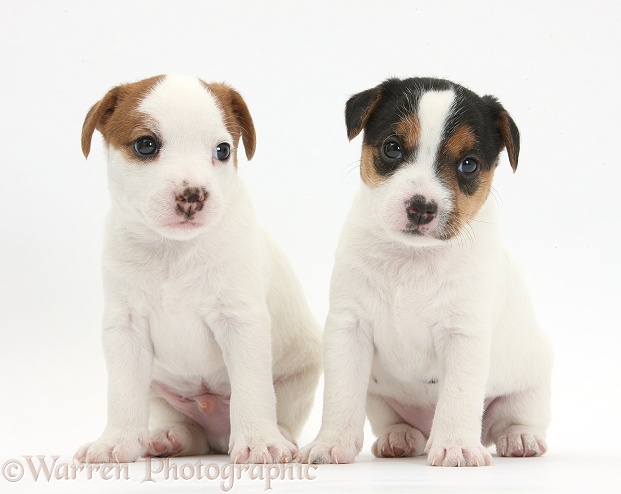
117	117
409	130
460	141
465	206
368	173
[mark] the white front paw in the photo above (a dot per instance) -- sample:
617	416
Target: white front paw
272	449
456	453
112	448
330	448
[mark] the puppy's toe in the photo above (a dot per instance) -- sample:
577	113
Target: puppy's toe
263	451
327	452
80	455
459	455
168	441
520	441
399	440
103	451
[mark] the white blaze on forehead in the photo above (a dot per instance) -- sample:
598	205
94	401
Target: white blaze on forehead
434	109
419	177
183	107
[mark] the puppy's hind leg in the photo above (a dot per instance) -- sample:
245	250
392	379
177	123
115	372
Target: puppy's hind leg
517	423
395	437
294	400
174	434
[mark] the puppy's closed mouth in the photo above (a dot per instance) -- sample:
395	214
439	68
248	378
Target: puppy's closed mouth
186	223
416	230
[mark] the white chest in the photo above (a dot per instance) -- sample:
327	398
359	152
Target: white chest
417	300
403	336
173	295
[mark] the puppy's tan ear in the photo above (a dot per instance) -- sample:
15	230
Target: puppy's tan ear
506	128
97	117
238	118
359	108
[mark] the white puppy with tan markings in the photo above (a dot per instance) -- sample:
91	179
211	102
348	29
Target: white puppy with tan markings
206	332
430	322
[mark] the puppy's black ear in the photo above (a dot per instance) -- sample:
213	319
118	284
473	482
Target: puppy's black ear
97	117
359	108
505	126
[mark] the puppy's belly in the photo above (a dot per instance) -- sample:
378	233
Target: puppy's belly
414	400
419	417
184	348
189	372
210	411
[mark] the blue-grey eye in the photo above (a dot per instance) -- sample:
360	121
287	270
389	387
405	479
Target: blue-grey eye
392	150
222	151
469	165
146	146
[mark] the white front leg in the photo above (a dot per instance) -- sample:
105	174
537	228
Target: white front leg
129	358
244	336
348	354
455	438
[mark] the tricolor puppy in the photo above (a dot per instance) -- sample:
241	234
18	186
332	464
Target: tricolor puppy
429	321
206	332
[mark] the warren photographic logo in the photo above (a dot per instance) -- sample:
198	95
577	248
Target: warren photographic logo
48	469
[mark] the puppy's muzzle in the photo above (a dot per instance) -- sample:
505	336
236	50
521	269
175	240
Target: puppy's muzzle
190	201
420	211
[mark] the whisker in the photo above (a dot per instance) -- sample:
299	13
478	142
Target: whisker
497	197
351	167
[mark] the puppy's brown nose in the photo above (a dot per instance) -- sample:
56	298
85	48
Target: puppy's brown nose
190	201
420	211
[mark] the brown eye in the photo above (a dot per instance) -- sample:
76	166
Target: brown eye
468	166
146	146
392	150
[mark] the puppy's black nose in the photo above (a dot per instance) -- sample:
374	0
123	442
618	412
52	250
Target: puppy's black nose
192	195
420	211
190	201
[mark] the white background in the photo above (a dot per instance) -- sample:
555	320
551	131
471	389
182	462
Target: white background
555	67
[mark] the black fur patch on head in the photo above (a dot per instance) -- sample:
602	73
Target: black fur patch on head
399	98
385	111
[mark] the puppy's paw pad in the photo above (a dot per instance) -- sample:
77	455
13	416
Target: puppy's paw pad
519	442
168	441
459	456
327	452
102	451
398	441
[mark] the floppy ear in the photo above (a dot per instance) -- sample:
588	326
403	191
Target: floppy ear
509	133
234	106
97	117
359	108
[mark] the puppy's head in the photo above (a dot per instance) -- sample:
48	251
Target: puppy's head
429	152
172	145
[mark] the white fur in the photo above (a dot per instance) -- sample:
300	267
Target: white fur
212	305
429	331
388	201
